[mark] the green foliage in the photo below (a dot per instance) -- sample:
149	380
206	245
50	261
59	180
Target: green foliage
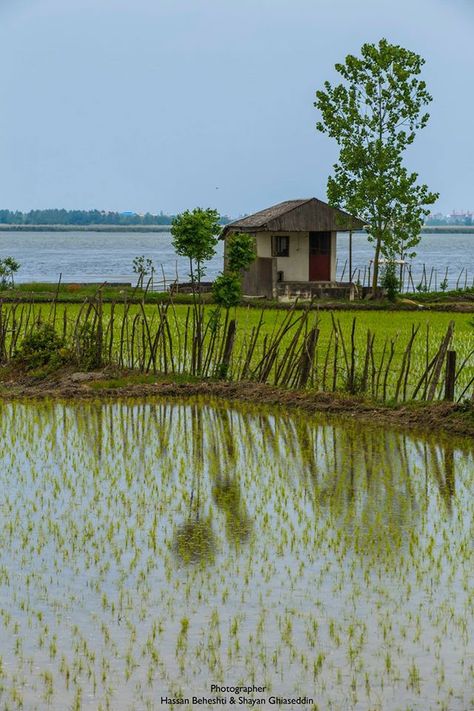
8	268
240	251
42	347
194	235
390	281
227	290
374	115
214	320
143	267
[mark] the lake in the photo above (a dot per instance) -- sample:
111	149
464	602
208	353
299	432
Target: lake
97	257
151	549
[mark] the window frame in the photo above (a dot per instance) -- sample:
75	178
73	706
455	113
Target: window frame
277	249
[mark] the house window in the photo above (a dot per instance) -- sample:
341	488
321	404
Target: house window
281	246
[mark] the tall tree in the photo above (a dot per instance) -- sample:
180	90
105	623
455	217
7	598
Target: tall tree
374	115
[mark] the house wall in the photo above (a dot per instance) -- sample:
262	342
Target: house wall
296	266
264	244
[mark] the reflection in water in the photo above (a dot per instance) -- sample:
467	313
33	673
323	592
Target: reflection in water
148	547
363	476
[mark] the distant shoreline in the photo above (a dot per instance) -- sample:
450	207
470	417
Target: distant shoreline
427	229
84	228
448	229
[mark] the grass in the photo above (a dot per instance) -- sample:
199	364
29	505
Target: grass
390	325
77	292
128	339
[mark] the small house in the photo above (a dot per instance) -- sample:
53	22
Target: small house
296	247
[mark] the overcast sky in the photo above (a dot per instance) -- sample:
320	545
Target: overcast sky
168	104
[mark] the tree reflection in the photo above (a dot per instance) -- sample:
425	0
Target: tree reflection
194	539
370	484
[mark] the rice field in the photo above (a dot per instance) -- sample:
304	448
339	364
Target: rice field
152	549
382	354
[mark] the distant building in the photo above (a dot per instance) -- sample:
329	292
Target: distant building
296	243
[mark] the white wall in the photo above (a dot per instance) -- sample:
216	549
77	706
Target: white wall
296	266
264	244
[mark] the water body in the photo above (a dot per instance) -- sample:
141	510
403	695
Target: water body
151	549
97	257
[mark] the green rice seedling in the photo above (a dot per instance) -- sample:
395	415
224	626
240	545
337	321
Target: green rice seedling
350	530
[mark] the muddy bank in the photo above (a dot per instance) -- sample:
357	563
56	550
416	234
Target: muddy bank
441	416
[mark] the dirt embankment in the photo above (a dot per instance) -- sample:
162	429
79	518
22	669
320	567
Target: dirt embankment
66	385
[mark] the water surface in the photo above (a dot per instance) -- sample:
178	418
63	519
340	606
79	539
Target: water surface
151	549
101	256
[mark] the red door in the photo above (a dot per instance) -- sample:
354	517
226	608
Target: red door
320	256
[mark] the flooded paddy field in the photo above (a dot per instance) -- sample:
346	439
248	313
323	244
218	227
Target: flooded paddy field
151	549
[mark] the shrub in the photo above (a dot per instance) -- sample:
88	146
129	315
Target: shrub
241	251
390	281
227	290
42	347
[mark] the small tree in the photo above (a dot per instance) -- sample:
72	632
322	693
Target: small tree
195	235
227	288
143	267
8	268
373	116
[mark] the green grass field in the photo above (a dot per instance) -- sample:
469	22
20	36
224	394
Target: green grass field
387	326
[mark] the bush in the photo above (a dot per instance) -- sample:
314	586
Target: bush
240	251
390	281
227	290
42	347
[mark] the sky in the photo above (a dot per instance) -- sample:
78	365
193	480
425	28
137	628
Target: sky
150	105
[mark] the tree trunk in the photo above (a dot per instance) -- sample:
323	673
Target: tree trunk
375	274
200	312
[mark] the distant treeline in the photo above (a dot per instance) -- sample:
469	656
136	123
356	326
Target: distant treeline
84	217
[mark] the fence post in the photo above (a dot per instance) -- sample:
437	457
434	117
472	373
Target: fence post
229	344
307	357
450	376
